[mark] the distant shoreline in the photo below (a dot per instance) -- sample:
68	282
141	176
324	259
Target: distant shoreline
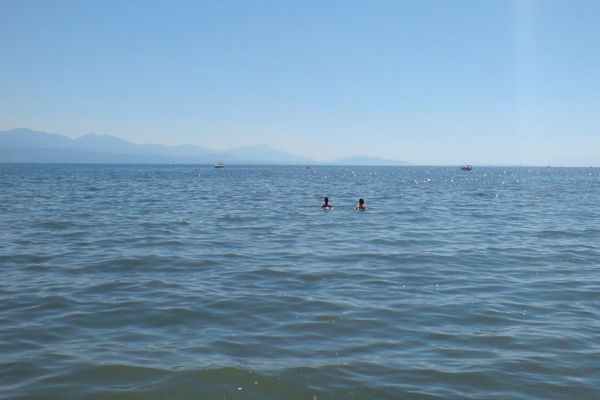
205	164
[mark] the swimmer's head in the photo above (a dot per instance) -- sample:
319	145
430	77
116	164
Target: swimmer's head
361	201
326	200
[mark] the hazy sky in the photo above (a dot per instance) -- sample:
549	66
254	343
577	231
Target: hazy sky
430	82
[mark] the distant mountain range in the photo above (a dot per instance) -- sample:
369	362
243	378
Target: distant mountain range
28	146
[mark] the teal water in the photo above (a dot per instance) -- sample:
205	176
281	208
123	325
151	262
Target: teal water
188	282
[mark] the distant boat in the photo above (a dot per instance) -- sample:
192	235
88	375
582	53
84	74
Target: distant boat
307	167
218	164
466	167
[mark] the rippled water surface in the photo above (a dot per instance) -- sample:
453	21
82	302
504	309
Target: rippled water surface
188	282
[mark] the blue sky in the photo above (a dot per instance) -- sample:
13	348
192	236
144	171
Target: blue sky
430	82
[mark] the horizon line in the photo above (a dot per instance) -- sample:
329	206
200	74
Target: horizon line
388	162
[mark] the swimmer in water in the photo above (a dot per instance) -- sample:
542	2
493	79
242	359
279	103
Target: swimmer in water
361	205
326	205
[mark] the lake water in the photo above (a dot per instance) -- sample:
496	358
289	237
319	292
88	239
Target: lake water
189	282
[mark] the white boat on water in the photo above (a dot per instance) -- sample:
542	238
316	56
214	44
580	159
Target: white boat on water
218	164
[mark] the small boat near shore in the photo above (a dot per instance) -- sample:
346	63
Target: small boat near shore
466	167
218	164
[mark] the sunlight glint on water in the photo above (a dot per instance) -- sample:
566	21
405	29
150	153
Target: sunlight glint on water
186	282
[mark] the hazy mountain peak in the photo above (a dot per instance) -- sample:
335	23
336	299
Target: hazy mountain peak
27	145
101	137
265	153
26	137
